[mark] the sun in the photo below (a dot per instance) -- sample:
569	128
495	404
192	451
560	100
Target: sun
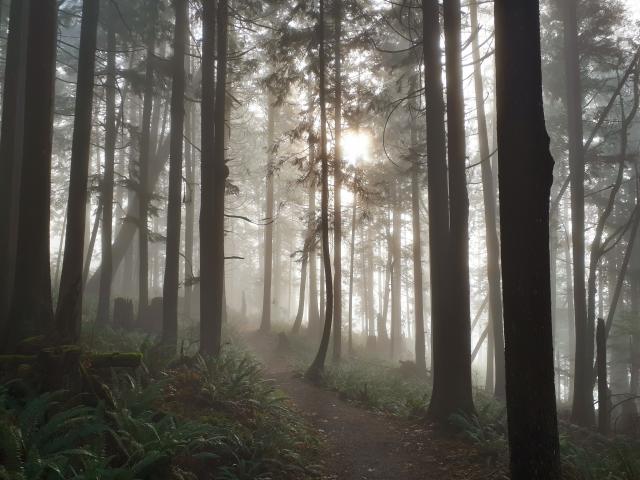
356	146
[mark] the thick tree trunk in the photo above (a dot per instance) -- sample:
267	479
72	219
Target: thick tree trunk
265	322
315	370
13	99
582	411
106	187
452	361
174	206
214	175
337	190
490	215
526	175
31	311
69	307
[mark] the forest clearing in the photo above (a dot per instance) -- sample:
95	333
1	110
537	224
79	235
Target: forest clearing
322	239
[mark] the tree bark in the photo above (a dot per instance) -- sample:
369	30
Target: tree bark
69	307
317	367
174	206
337	192
352	265
106	267
603	386
490	213
214	175
13	98
452	361
582	411
265	322
31	311
526	175
396	278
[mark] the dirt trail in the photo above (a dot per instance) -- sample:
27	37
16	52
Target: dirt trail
364	445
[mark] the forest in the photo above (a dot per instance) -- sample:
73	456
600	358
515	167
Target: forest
322	239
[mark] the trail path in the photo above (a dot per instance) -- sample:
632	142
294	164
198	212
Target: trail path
365	445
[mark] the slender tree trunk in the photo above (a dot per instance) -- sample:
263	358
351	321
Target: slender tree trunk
106	268
526	175
582	411
31	311
337	192
603	386
490	210
396	279
11	142
69	307
313	311
174	207
265	322
144	193
416	170
315	370
303	287
351	267
214	175
189	218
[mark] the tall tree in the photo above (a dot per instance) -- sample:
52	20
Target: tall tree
337	184
106	186
396	269
174	207
416	170
13	99
214	175
490	212
69	307
265	322
582	411
144	194
526	175
317	366
31	310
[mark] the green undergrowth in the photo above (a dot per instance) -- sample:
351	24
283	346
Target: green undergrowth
396	389
184	418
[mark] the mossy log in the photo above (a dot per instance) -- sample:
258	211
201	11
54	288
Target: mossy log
70	356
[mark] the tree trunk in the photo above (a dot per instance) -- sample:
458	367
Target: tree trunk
13	98
603	386
106	267
303	287
416	170
396	278
265	322
214	175
526	175
174	207
317	367
582	410
31	311
337	189
452	361
189	217
351	267
69	307
490	210
144	193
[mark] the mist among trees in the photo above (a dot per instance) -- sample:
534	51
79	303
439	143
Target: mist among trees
325	239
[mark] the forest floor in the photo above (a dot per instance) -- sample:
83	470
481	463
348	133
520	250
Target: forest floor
361	444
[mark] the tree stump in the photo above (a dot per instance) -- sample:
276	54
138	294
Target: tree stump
123	313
